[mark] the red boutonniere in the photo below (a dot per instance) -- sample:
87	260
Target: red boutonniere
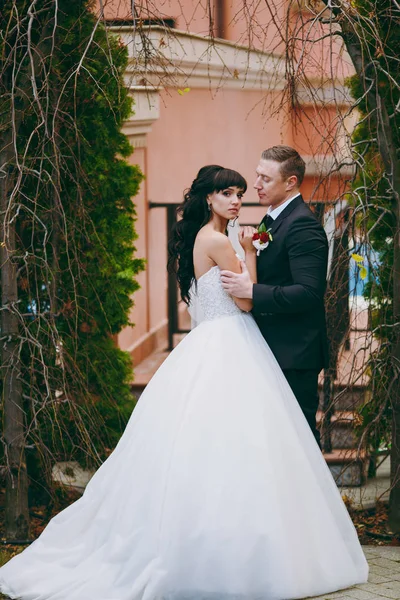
262	238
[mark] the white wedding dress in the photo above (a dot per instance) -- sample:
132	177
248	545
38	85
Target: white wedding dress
217	489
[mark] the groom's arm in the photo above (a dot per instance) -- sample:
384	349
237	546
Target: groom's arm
307	248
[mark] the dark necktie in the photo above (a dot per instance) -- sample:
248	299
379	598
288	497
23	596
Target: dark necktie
268	221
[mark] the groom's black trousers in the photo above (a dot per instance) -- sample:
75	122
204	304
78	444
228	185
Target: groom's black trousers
304	384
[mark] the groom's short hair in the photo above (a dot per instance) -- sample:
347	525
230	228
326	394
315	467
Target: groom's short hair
290	159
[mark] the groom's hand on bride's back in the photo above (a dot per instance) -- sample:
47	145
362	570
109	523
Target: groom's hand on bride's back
239	285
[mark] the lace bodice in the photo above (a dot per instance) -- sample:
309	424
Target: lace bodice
214	301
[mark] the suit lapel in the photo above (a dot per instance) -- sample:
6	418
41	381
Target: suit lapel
265	256
285	213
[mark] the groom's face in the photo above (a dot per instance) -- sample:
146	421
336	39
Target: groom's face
272	189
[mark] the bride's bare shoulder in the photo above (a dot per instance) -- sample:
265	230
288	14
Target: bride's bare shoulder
209	246
209	238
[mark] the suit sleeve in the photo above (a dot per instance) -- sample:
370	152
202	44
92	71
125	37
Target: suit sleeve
307	248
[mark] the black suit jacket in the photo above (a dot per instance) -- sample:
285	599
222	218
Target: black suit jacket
288	300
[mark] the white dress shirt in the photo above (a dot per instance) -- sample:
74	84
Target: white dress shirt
277	211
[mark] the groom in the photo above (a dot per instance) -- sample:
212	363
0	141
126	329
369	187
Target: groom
288	300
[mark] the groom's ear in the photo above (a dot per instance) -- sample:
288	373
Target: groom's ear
292	182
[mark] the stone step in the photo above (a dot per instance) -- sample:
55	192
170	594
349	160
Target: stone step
345	398
341	429
348	467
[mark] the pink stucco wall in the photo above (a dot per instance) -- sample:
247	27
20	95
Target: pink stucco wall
255	24
188	15
199	128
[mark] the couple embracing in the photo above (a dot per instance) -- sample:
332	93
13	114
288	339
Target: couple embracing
217	489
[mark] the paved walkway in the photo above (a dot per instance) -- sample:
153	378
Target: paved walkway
377	489
384	577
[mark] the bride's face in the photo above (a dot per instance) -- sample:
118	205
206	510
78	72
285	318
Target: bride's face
227	202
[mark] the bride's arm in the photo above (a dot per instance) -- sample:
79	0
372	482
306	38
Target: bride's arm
246	241
251	264
220	250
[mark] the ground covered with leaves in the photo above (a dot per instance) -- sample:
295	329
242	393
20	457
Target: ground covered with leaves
372	526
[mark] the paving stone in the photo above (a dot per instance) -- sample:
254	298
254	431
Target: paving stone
393	577
330	597
376	591
372	551
388	589
384	571
358	594
385	563
384	577
375	578
390	552
336	596
333	596
393	585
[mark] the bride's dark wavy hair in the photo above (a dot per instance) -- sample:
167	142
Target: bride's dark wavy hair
194	215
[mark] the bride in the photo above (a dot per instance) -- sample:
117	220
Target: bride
217	489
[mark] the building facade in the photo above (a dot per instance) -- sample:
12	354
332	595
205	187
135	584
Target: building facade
215	89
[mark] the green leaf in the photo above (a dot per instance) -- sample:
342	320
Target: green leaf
262	228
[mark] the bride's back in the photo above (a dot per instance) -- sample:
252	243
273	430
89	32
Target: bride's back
204	241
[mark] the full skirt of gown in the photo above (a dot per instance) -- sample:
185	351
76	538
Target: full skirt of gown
217	490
